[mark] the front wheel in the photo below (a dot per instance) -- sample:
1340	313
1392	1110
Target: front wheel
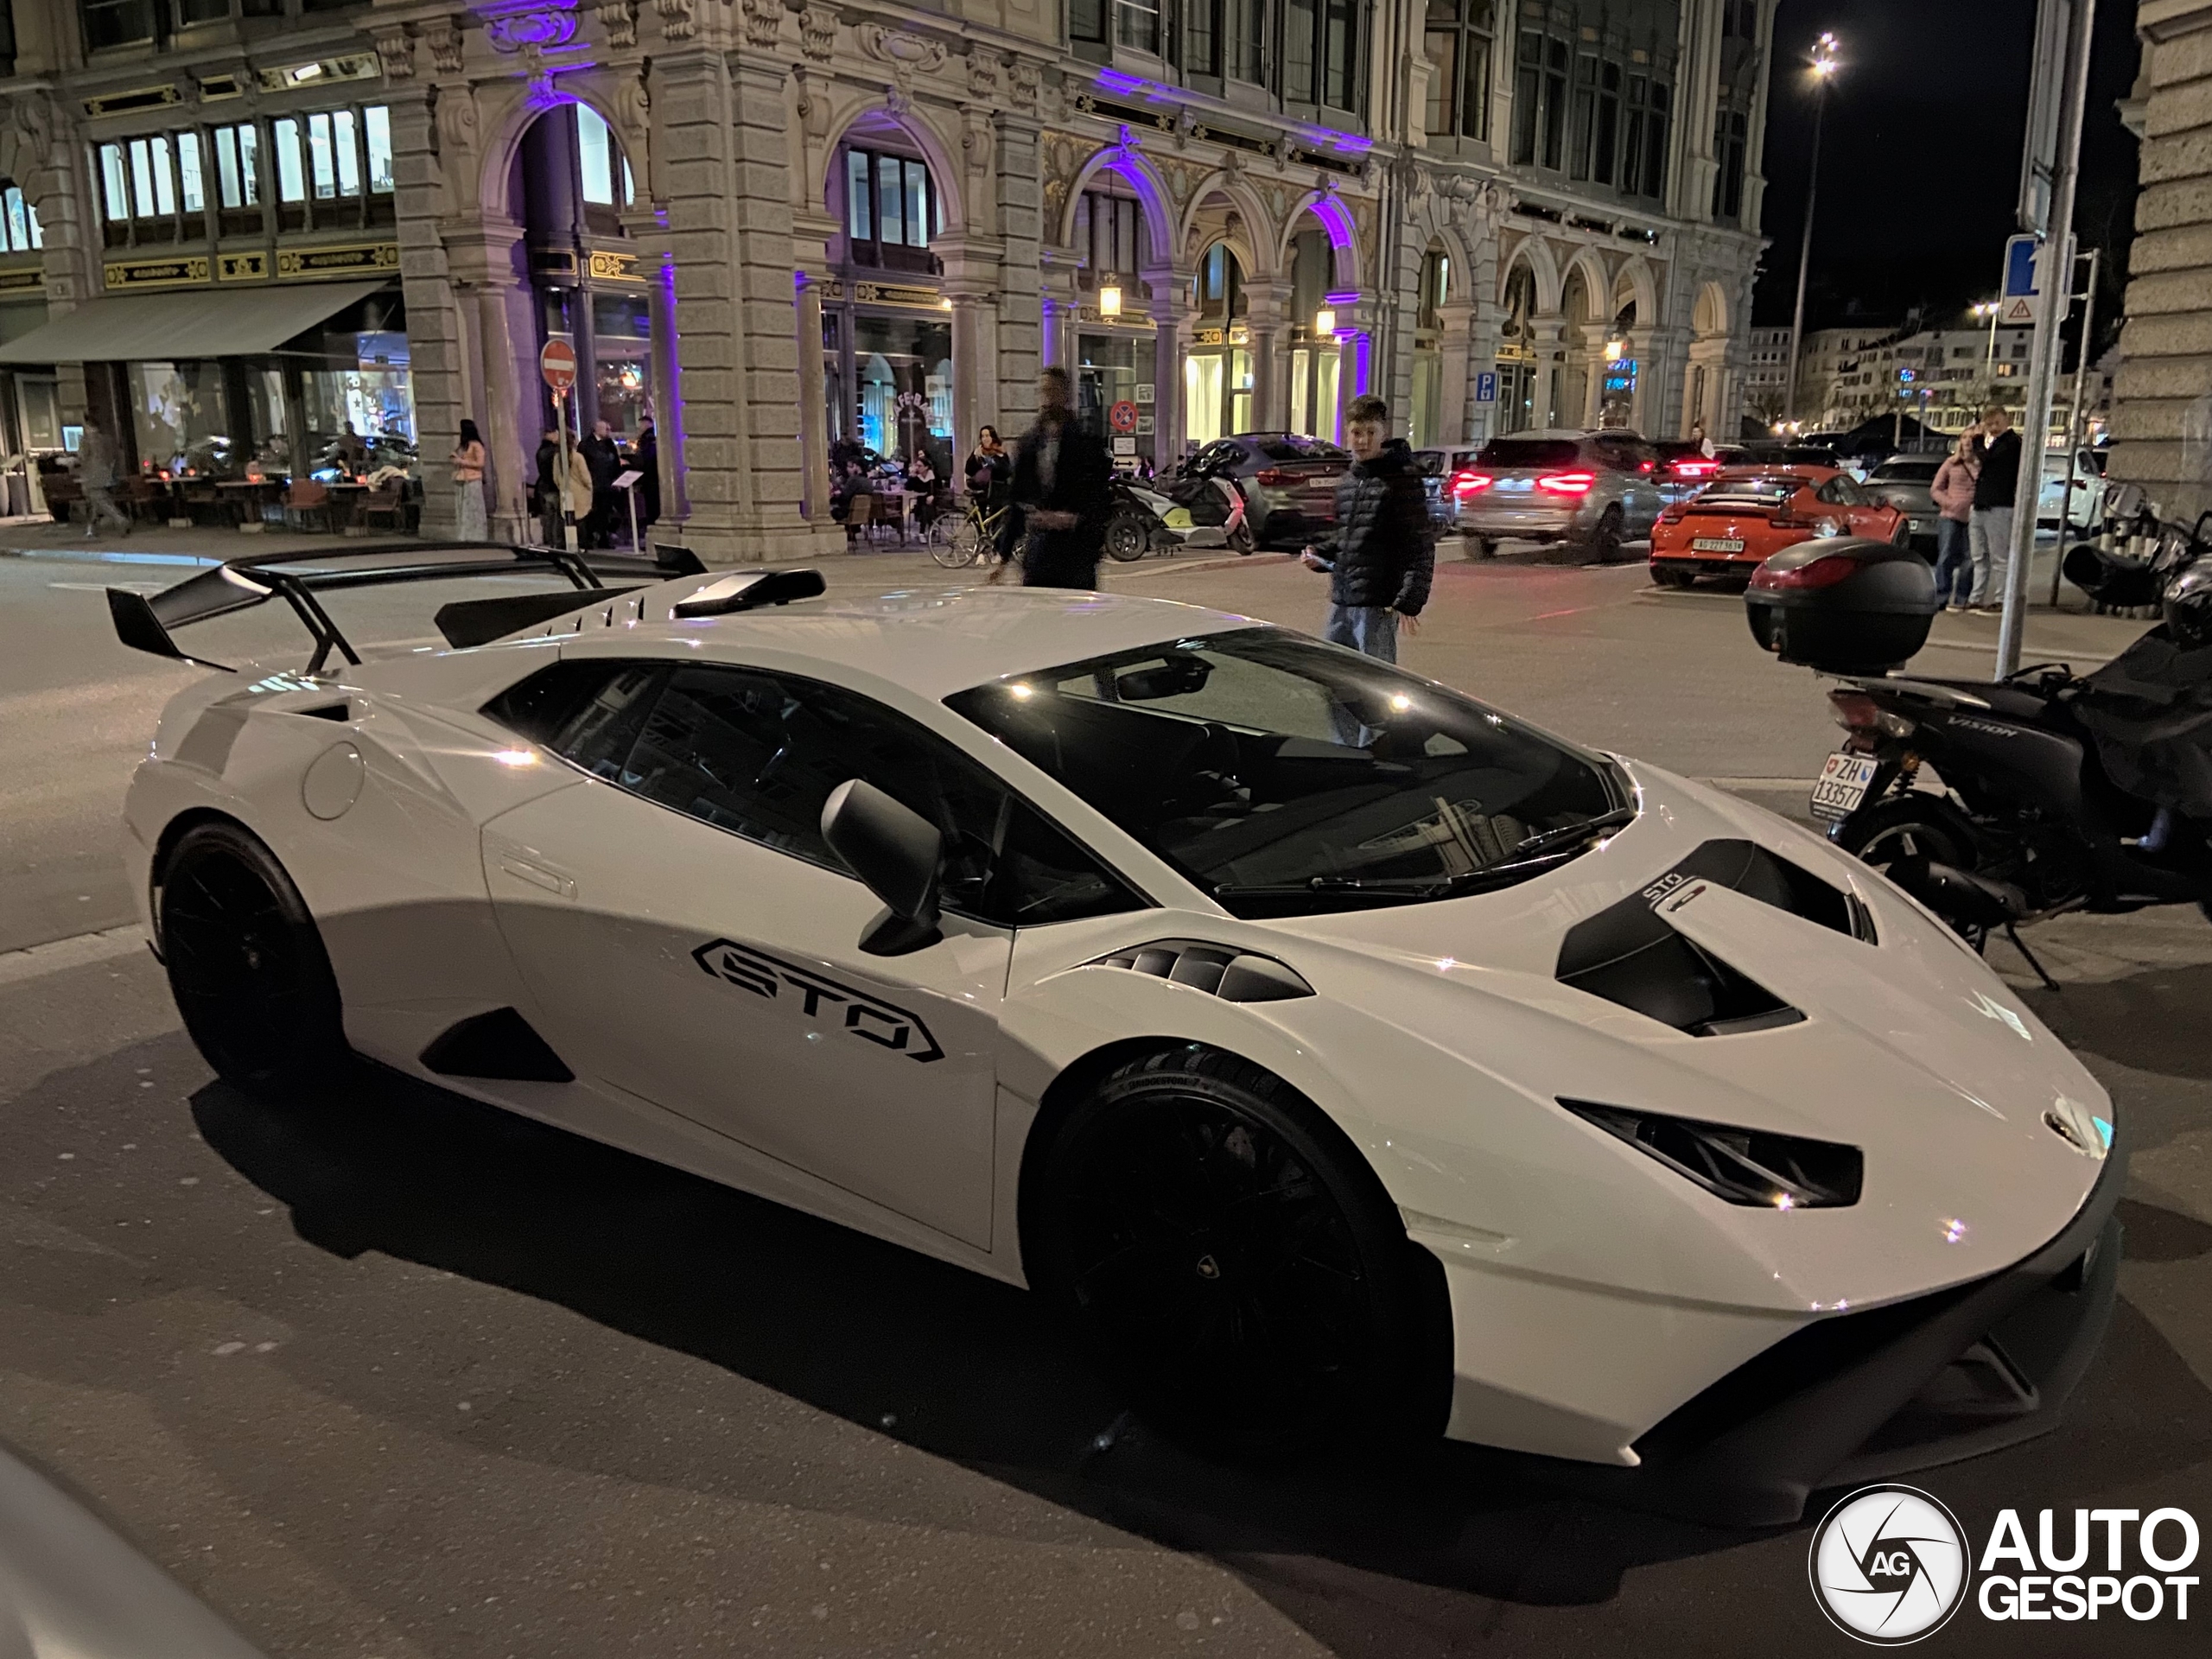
964	546
1127	536
247	964
1234	1263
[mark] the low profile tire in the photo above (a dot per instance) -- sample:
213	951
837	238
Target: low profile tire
1667	576
1125	537
1481	547
1902	536
247	964
1235	1264
1603	544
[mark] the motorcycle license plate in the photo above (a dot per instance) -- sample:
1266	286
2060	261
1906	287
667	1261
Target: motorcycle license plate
1842	784
1717	544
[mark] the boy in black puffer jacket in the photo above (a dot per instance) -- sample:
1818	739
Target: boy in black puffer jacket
1382	556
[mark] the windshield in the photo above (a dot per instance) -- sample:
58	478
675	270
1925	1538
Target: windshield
1293	446
1286	777
1529	452
1904	471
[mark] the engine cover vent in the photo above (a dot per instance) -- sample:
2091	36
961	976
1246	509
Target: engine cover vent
1232	975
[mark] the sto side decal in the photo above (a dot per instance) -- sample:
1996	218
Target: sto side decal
868	1018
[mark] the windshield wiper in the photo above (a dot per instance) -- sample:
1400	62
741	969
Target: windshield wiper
1572	835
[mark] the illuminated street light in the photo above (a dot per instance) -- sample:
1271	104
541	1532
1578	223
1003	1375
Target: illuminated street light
1109	299
1324	323
1826	61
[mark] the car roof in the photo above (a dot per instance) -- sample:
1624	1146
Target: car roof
930	639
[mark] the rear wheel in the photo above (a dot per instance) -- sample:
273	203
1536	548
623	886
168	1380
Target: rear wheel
1902	536
1481	547
1912	825
1233	1261
246	962
1127	536
1604	543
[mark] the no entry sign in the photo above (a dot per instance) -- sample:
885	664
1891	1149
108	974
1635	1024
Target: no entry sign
557	363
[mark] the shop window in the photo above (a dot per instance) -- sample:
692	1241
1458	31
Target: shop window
892	211
180	415
119	22
902	368
622	343
19	227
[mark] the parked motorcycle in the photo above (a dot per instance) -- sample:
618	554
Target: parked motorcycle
1997	804
1190	510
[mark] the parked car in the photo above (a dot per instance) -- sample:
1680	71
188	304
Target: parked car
1749	514
1441	469
2087	509
1549	485
1905	482
1289	481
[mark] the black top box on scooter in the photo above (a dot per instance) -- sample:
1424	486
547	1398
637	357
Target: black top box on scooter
1844	604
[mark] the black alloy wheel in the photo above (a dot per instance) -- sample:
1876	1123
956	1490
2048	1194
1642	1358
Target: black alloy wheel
247	964
1913	825
1127	536
1902	536
1235	1263
1604	542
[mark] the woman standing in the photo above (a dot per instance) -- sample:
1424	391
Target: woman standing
1953	491
988	469
470	522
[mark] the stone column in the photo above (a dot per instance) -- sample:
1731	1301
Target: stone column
1648	405
435	340
1544	341
488	285
1058	304
1456	319
1267	315
1172	321
814	401
1021	331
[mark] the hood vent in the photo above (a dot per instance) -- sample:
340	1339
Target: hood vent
1628	956
1232	975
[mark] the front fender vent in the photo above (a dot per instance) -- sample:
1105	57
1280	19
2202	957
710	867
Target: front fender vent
1232	975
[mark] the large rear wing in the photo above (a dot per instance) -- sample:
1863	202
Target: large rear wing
148	622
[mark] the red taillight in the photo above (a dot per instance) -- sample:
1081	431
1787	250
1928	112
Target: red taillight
1568	483
1672	516
1821	573
1855	711
1273	478
1470	483
1647	466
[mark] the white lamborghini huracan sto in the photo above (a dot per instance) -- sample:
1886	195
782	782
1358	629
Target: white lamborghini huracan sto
1348	1058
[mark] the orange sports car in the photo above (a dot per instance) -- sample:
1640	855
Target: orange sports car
1749	513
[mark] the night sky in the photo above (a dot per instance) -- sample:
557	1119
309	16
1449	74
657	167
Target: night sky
1920	158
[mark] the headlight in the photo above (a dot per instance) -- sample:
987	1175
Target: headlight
1746	1166
1822	527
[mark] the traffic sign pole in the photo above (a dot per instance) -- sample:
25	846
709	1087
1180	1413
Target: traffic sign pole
2052	307
557	363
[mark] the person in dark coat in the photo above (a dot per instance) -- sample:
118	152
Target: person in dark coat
1382	556
644	456
547	491
605	461
1059	490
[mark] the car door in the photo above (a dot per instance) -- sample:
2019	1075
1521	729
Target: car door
691	941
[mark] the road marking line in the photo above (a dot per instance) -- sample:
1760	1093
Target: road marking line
38	960
1572	610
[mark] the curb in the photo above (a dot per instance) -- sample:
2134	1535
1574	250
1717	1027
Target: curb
35	962
98	555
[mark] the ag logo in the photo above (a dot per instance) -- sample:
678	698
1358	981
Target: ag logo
1889	1565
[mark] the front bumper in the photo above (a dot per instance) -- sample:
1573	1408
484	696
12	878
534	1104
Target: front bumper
1865	1397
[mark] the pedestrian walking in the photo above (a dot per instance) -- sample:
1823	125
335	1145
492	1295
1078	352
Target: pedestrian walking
471	524
1953	492
578	497
96	473
1995	450
1382	557
1061	476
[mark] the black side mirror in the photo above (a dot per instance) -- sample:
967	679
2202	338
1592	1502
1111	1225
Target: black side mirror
896	852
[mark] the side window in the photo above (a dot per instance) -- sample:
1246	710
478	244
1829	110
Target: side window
1849	492
757	754
1829	492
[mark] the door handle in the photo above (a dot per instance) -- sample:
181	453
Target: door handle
538	875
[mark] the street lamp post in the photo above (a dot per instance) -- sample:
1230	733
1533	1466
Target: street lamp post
1823	67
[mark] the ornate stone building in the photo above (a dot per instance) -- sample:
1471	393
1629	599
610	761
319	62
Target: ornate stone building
235	226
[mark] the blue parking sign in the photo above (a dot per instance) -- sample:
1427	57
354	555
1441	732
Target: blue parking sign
1486	387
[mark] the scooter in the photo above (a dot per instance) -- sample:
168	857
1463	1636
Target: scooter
2028	822
1143	518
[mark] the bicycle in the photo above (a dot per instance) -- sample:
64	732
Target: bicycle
970	538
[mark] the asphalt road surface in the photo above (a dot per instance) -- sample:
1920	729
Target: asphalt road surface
385	1374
